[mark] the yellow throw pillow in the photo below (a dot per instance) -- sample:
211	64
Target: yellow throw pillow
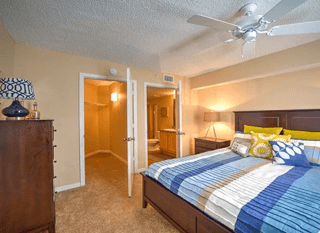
260	146
302	134
271	130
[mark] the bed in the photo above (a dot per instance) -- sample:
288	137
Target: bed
279	192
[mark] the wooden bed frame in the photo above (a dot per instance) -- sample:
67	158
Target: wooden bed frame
186	217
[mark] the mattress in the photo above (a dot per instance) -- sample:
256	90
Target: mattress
245	194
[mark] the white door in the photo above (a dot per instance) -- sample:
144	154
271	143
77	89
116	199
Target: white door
179	131
130	132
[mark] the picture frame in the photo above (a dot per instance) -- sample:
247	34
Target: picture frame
164	112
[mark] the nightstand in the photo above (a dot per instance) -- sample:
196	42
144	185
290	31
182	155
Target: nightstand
207	144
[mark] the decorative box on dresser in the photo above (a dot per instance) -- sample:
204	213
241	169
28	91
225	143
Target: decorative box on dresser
26	176
203	144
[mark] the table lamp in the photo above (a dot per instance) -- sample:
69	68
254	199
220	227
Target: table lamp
17	89
212	117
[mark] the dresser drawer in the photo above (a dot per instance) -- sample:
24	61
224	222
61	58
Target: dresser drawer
224	144
206	144
201	150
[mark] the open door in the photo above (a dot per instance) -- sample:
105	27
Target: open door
130	132
179	132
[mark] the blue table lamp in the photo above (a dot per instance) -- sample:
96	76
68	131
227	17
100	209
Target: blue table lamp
17	89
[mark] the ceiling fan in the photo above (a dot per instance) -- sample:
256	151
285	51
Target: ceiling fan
248	28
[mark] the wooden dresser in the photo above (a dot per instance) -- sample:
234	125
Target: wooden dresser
26	176
206	144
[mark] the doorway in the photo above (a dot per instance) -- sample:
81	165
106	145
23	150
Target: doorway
163	125
104	104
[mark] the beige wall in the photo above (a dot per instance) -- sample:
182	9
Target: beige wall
163	102
291	60
190	116
104	117
7	44
297	90
118	120
91	118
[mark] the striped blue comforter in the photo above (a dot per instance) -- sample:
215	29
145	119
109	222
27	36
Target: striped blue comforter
246	194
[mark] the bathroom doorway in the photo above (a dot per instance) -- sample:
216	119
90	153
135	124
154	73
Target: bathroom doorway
161	124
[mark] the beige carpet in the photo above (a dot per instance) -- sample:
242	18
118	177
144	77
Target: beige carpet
102	204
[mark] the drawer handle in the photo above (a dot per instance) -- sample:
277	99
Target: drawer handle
55	130
55	146
55	161
54	177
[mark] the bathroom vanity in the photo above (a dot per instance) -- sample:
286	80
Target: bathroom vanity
168	142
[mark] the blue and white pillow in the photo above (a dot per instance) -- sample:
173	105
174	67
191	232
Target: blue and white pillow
289	153
311	150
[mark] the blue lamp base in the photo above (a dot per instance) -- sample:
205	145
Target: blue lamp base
15	111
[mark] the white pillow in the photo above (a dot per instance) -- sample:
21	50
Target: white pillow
241	148
241	137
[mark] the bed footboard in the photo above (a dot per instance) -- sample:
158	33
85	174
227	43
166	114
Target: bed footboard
182	215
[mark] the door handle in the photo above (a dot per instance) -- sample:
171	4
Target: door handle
180	133
129	139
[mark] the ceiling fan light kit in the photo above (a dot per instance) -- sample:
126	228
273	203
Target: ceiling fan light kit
248	28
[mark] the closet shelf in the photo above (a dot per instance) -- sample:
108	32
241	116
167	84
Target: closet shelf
95	104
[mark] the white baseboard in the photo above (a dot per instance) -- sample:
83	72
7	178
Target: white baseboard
90	154
67	187
97	152
141	170
118	157
107	151
104	151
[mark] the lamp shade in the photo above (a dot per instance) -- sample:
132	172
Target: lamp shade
11	88
211	116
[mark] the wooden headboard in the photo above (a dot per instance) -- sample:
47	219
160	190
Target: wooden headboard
305	120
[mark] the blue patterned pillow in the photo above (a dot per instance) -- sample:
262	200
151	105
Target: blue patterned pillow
311	150
289	153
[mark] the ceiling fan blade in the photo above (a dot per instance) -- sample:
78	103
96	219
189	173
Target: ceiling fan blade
281	9
211	22
248	48
297	28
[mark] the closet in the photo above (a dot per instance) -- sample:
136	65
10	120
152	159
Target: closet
105	118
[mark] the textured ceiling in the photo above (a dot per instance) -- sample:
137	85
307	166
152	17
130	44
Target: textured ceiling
154	92
146	33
